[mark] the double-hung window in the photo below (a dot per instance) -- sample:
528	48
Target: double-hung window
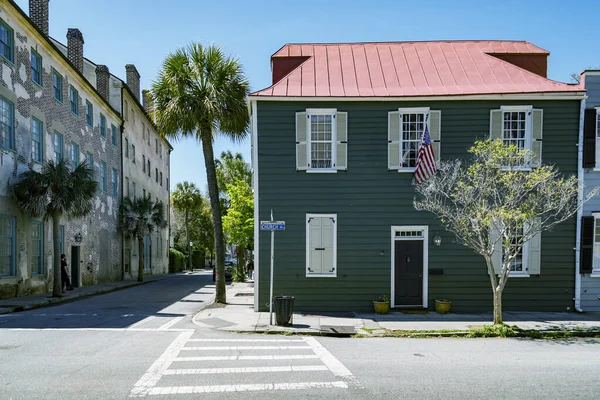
406	128
591	139
133	153
36	67
74	100
520	126
321	140
149	169
590	245
37	129
37	248
526	254
102	125
6	41
321	245
156	174
114	182
57	86
7	124
89	114
103	175
7	245
58	147
74	155
133	189
113	130
127	186
90	160
126	148
143	163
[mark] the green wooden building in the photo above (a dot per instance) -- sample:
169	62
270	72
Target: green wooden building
334	144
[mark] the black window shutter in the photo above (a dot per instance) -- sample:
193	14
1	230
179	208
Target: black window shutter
587	245
589	139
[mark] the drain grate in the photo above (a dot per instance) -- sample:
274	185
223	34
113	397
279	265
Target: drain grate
243	294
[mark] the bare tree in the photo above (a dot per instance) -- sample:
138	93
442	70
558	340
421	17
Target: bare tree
497	203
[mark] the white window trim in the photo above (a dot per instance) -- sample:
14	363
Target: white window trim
425	239
597	142
335	269
524	273
322	111
413	110
528	110
595	272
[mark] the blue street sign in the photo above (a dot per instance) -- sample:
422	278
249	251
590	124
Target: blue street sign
272	225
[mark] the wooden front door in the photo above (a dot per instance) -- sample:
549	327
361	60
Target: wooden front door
408	273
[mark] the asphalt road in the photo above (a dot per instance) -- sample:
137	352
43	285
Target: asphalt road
141	342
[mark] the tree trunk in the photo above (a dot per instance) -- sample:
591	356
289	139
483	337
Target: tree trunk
497	306
187	236
140	260
56	269
213	192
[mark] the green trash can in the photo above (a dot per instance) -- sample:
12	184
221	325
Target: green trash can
284	309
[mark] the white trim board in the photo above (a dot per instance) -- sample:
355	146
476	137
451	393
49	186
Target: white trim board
425	239
467	97
254	133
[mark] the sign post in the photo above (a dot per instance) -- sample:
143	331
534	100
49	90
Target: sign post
272	226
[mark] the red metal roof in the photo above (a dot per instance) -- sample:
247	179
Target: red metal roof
403	69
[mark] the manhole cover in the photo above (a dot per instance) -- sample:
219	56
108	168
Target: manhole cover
338	329
243	294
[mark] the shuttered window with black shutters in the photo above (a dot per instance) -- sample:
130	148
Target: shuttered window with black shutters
587	245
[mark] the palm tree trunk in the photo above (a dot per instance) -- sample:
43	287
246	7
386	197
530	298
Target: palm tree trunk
213	192
187	235
56	269
140	260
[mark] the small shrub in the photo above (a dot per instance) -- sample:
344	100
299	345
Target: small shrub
500	330
176	261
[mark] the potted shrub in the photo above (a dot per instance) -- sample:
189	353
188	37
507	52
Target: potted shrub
381	304
442	306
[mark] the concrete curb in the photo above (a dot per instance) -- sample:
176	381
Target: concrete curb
58	300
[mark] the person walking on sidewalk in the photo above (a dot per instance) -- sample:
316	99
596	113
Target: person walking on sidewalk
66	281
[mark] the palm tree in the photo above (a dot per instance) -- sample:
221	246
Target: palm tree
138	218
186	198
54	192
200	92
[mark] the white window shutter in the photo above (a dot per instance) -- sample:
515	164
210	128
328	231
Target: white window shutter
394	140
435	131
535	253
301	141
327	241
315	254
341	161
536	137
496	124
497	253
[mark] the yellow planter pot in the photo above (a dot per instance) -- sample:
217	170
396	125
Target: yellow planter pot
381	307
442	306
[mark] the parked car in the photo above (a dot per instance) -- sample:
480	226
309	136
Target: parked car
228	272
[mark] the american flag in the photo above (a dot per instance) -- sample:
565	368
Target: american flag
425	159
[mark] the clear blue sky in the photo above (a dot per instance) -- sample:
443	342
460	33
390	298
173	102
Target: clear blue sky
143	32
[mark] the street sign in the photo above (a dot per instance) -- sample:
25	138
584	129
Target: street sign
272	225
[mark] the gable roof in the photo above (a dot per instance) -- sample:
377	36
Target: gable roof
407	69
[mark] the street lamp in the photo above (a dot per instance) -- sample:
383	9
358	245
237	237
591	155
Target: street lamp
437	240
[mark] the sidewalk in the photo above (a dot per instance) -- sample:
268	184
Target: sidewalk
239	316
40	300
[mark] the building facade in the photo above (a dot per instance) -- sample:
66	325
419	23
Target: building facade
334	149
51	111
588	288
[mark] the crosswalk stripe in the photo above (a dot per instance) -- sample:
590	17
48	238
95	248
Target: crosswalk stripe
247	388
233	358
170	323
150	318
203	371
249	340
247	348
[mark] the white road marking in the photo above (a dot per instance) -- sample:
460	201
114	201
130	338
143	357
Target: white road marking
246	370
246	348
170	323
249	340
332	363
147	319
99	329
247	388
233	358
156	370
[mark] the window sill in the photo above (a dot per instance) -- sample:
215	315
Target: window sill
11	63
321	276
58	101
597	169
595	274
519	275
322	171
407	170
38	84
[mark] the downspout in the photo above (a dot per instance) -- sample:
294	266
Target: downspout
580	176
122	128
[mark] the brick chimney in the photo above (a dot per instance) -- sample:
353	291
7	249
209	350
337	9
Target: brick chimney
75	48
38	13
133	80
102	80
148	103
